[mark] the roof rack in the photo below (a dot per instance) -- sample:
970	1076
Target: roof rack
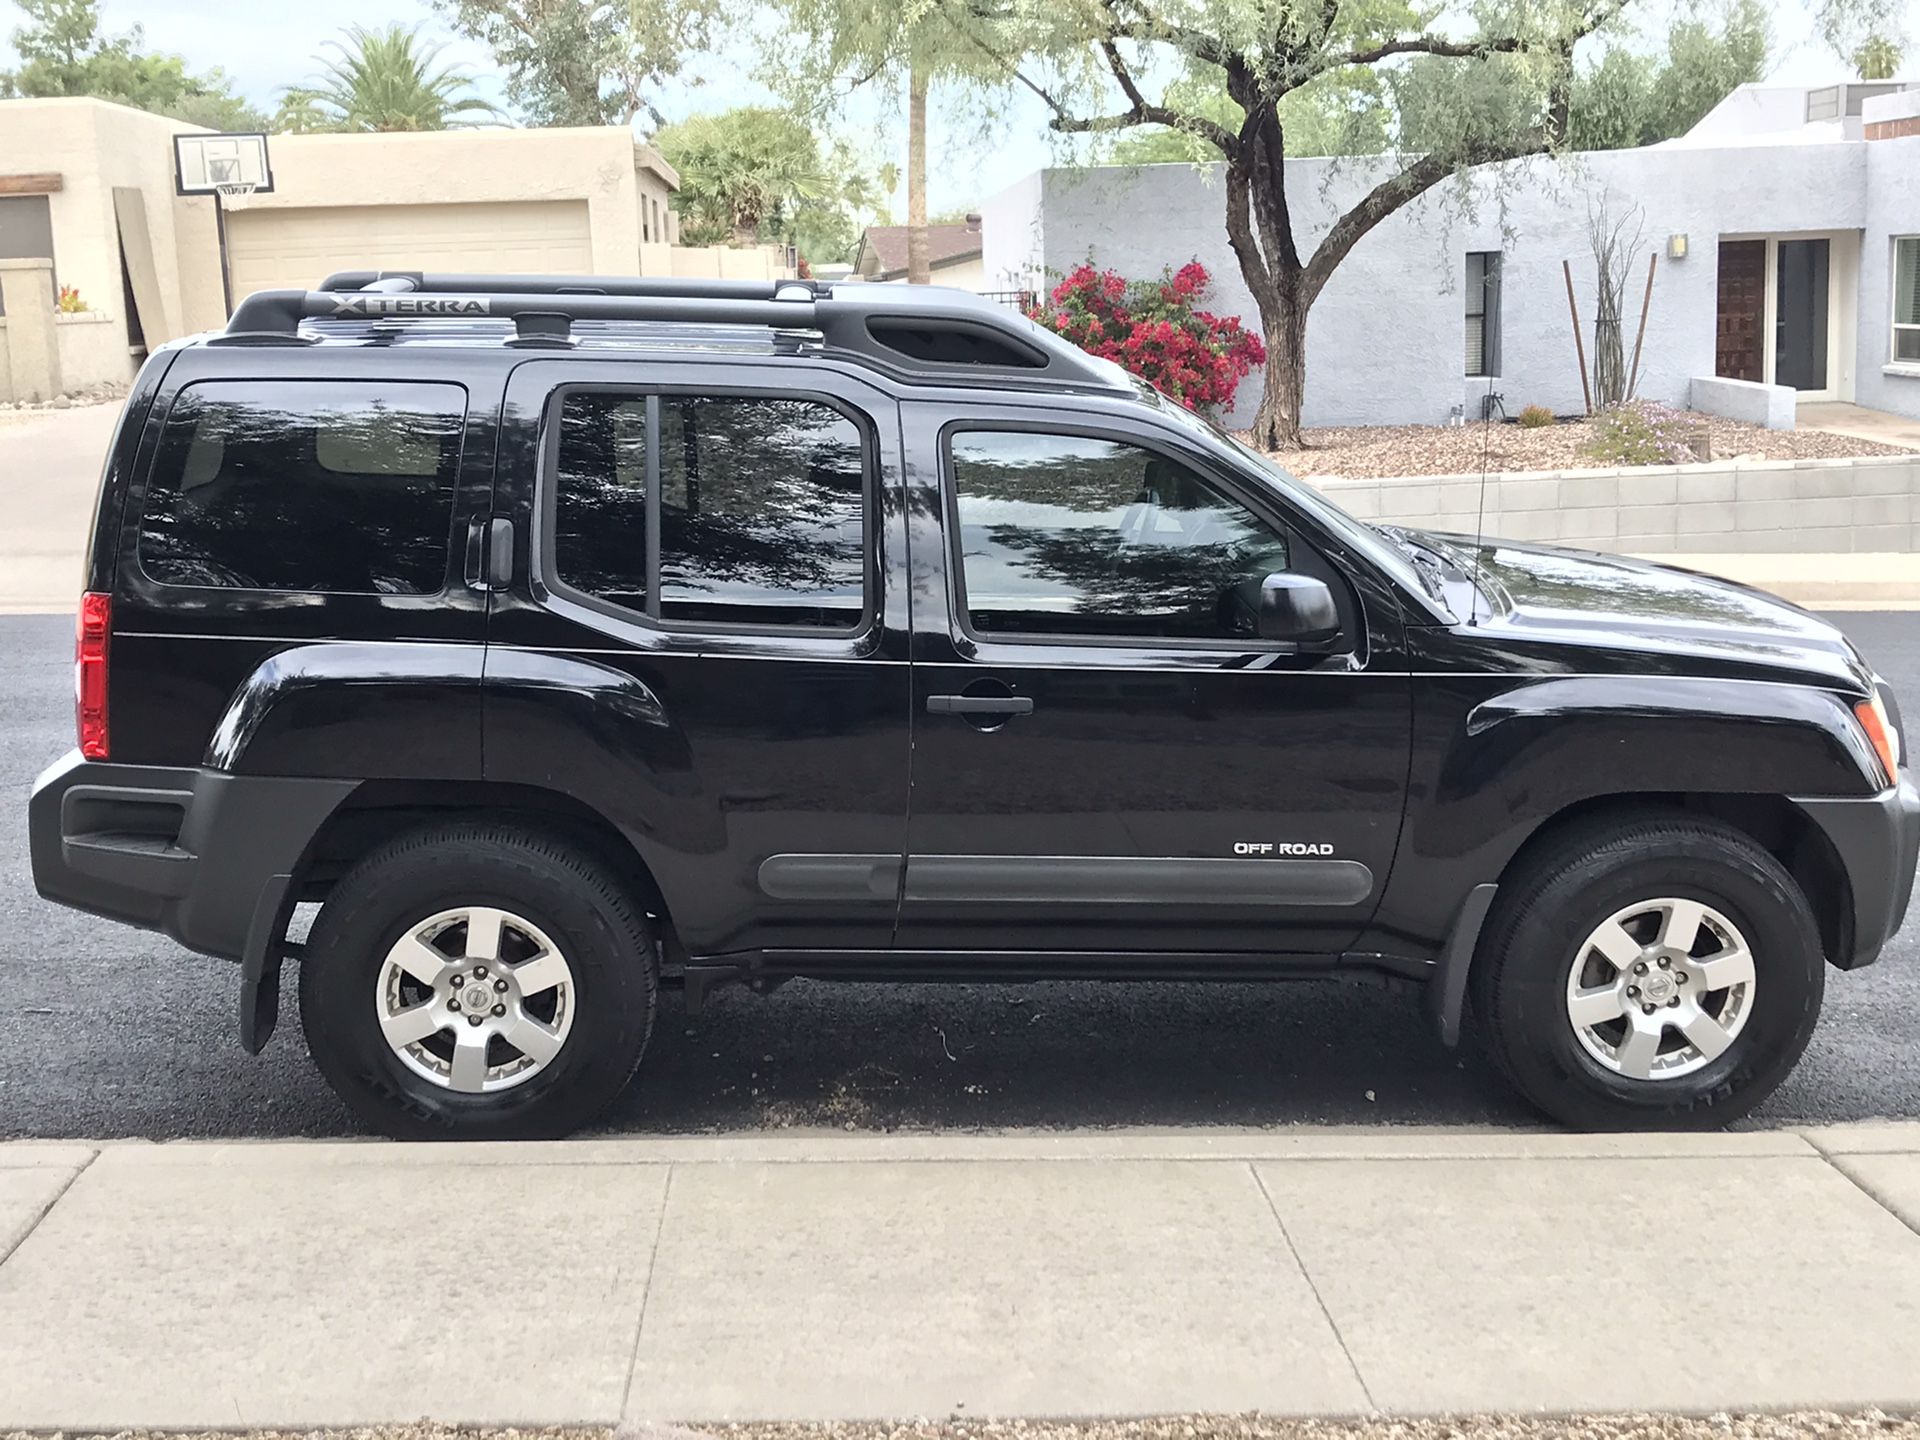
918	332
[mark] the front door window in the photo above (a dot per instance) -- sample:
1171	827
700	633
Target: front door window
1068	535
1800	318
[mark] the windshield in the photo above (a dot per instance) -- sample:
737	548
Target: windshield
1380	548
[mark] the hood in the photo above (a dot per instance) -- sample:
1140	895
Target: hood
1612	603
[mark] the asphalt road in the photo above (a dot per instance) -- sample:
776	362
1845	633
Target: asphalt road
107	1031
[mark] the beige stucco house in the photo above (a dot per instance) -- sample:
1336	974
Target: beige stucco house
89	186
555	202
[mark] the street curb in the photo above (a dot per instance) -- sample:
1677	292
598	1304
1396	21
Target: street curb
1117	1146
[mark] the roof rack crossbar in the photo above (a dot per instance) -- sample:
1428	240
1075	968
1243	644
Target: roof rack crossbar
279	312
666	287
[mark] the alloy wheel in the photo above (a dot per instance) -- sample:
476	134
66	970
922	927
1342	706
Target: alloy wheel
1660	989
476	999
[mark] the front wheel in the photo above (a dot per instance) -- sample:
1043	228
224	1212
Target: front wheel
1658	973
476	981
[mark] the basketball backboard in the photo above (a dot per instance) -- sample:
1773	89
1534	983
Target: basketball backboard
231	163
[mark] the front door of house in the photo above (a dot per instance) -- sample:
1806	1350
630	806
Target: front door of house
1740	330
1800	314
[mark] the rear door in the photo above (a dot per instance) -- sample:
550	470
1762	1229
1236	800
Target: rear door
704	639
1108	759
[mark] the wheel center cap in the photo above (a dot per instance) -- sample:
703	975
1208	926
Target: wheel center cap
1658	987
477	998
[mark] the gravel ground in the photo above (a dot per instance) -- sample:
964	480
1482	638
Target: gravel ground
1869	1425
1366	451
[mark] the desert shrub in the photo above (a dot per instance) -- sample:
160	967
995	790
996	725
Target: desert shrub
1534	417
1641	432
1156	329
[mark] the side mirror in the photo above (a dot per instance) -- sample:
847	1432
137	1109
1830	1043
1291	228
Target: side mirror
1297	608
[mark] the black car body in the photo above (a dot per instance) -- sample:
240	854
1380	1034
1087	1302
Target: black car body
850	732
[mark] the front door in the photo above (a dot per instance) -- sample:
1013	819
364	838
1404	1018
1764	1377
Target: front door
1740	325
706	642
1107	759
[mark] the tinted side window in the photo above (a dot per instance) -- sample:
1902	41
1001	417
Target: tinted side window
305	485
1066	535
761	508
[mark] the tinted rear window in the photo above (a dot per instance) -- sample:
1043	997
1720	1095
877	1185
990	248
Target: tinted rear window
325	486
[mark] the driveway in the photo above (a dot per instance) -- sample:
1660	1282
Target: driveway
49	475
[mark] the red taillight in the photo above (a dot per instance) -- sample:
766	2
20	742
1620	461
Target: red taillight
90	673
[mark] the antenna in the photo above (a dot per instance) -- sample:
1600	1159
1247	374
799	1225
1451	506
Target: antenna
1480	514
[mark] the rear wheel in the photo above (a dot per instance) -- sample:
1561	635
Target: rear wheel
1657	973
478	981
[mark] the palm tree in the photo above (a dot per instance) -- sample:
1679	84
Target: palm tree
383	80
740	168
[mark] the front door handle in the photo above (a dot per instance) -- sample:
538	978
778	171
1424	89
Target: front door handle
979	705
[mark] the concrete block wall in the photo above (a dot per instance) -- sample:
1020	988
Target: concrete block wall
1761	506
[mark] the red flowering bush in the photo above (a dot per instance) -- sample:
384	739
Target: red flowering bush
1155	329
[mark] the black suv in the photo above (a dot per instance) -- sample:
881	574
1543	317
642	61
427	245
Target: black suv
568	638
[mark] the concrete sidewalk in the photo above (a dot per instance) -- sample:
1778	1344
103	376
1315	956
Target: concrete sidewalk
709	1278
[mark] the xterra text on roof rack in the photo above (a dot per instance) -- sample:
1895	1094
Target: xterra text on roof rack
565	638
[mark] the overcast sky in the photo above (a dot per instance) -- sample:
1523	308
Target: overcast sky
268	44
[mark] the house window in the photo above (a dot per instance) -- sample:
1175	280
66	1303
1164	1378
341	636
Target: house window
1906	299
1483	312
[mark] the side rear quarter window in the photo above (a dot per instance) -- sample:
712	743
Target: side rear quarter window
326	486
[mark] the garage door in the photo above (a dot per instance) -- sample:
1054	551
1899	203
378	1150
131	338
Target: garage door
293	249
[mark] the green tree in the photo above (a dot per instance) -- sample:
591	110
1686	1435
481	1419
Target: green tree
847	43
756	173
383	80
62	52
1878	57
1868	34
1630	97
587	62
1338	115
1509	72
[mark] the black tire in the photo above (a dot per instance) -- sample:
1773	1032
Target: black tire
1562	893
577	902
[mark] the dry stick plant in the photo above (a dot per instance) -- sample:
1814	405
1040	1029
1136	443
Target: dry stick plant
1616	245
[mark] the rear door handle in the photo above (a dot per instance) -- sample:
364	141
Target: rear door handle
489	553
979	705
499	554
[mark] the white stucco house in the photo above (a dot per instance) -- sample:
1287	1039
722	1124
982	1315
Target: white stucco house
1787	225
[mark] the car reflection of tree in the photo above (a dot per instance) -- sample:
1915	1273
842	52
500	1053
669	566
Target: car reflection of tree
1175	591
347	492
762	504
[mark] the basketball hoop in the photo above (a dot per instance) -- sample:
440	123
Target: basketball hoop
225	165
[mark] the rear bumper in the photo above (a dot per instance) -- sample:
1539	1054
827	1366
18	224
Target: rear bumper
196	853
1878	840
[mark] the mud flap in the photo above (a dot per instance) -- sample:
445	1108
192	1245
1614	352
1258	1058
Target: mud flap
1447	990
260	964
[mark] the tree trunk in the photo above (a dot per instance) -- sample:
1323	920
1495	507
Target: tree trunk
1260	230
919	263
1276	424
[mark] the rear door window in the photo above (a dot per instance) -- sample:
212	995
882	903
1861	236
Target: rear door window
700	509
329	486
